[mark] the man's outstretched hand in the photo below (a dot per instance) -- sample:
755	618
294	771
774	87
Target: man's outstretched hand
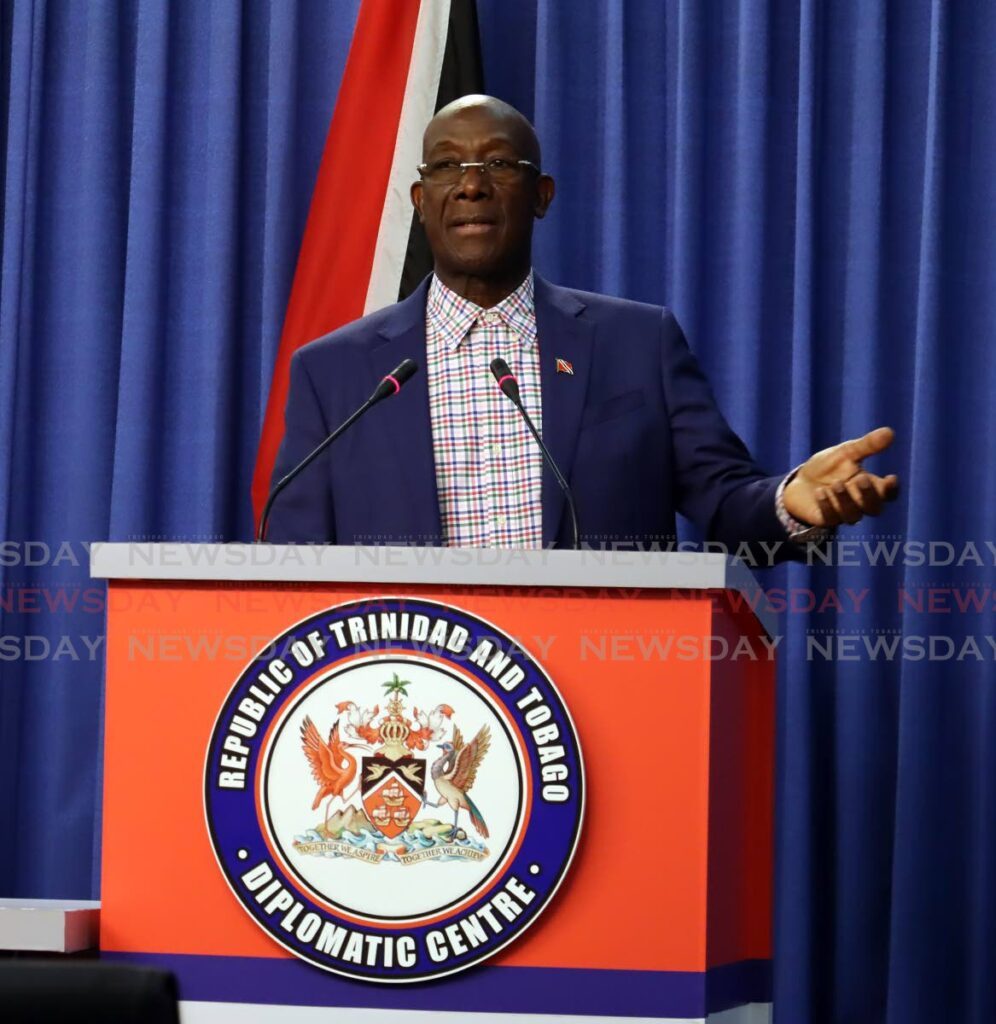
832	488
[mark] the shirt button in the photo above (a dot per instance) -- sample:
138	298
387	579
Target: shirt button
496	449
501	520
491	318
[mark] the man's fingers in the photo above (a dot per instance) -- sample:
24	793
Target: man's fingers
836	505
874	441
830	515
848	508
865	494
886	487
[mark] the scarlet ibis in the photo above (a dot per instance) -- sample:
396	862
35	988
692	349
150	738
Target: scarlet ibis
332	766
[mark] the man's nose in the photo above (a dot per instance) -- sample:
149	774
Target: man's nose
474	182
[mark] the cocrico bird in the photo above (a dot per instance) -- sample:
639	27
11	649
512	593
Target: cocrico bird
455	771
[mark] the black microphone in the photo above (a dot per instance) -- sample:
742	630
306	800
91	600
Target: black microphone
510	387
389	386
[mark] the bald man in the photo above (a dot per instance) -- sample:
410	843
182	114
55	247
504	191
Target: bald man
611	385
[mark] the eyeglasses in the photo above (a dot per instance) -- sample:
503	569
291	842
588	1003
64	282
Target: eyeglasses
501	170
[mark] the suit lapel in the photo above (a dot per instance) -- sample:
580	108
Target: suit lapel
406	419
562	334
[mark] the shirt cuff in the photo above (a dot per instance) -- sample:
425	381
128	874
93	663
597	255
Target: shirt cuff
798	531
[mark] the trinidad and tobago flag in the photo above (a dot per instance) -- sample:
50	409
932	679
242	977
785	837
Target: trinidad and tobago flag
408	58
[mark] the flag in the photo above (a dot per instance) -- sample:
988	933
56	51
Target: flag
407	59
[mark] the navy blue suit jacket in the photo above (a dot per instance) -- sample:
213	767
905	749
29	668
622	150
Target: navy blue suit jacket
635	430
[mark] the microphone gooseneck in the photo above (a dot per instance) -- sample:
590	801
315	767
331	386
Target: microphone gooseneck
509	386
388	387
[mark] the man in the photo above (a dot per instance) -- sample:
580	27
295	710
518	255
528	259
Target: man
610	384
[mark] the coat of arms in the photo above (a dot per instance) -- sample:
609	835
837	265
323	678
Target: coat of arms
372	765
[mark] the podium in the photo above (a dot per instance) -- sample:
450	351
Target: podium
617	710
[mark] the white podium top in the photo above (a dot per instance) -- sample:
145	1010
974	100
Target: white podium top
327	563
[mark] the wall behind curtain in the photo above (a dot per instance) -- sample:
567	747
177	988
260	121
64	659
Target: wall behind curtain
808	185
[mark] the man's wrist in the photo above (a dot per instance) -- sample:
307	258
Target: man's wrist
799	532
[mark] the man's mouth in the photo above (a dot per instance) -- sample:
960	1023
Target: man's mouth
470	226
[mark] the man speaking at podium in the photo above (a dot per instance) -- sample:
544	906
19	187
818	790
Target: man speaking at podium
610	385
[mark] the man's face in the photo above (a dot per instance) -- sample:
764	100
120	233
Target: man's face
475	227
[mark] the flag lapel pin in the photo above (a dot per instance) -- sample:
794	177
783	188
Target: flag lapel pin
563	366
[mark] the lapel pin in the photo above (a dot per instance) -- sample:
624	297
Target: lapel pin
563	366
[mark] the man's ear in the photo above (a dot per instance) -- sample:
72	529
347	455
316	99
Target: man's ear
545	191
416	194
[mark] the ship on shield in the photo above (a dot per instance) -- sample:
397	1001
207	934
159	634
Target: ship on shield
392	781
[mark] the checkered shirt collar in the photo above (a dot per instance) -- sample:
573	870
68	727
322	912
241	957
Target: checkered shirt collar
451	316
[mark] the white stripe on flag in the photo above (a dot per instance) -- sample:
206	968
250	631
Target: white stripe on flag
417	109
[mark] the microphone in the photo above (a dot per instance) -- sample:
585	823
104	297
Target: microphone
388	387
510	388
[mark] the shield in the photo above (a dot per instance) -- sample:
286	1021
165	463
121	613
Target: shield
392	792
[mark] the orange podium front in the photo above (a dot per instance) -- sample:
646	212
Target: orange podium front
399	781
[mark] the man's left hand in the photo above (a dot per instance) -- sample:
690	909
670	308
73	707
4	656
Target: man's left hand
832	488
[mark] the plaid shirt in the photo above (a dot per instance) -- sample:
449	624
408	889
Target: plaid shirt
489	469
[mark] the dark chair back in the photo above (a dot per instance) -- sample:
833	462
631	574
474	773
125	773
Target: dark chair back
57	992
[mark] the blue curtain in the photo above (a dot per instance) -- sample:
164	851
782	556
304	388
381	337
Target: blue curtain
808	185
158	166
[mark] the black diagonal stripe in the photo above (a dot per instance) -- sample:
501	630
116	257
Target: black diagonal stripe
462	73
